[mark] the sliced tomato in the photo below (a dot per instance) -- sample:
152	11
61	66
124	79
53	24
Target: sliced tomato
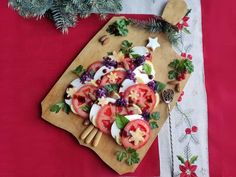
81	99
132	127
122	110
145	96
95	66
128	63
105	118
107	78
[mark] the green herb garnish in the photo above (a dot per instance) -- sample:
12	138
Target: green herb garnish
60	106
180	66
155	116
147	68
86	108
126	47
135	55
111	88
160	86
119	27
130	155
153	124
79	70
121	121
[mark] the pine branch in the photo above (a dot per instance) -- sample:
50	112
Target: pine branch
157	24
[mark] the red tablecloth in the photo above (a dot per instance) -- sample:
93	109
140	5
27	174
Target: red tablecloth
33	55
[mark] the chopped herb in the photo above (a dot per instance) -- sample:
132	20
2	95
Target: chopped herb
60	106
121	155
130	155
86	108
79	70
153	125
155	116
119	27
121	121
111	87
126	47
147	68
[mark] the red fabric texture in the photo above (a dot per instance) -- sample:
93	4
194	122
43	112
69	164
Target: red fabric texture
33	55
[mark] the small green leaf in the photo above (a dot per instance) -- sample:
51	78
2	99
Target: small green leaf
172	74
119	27
67	108
174	64
126	47
111	87
86	108
121	155
109	53
57	107
181	159
130	150
121	121
160	86
135	56
147	68
193	159
79	70
153	125
155	116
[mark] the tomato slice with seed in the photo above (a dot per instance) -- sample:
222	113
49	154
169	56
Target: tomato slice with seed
128	63
105	118
141	95
135	126
95	66
81	99
113	77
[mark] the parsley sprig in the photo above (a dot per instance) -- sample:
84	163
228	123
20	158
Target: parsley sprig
126	47
60	106
130	155
180	66
153	117
119	27
78	70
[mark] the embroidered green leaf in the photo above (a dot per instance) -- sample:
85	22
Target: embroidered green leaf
147	68
181	159
155	115
79	70
153	124
193	159
186	31
121	121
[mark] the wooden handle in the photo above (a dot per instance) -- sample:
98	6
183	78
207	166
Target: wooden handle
91	136
86	132
97	138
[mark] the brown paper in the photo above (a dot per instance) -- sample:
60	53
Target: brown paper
93	51
174	11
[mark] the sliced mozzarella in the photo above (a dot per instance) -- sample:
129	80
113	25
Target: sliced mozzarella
125	84
93	113
115	131
140	50
100	72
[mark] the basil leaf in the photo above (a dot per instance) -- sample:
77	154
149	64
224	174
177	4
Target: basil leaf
155	116
147	68
160	86
121	121
79	70
153	125
111	87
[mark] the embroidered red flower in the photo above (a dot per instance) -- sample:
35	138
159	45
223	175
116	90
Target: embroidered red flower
188	170
188	131
180	96
186	55
183	23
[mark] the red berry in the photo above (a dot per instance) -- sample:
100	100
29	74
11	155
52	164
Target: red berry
194	129
183	76
98	82
122	94
183	54
182	93
188	131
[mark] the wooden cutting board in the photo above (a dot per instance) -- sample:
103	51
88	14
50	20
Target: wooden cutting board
94	51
